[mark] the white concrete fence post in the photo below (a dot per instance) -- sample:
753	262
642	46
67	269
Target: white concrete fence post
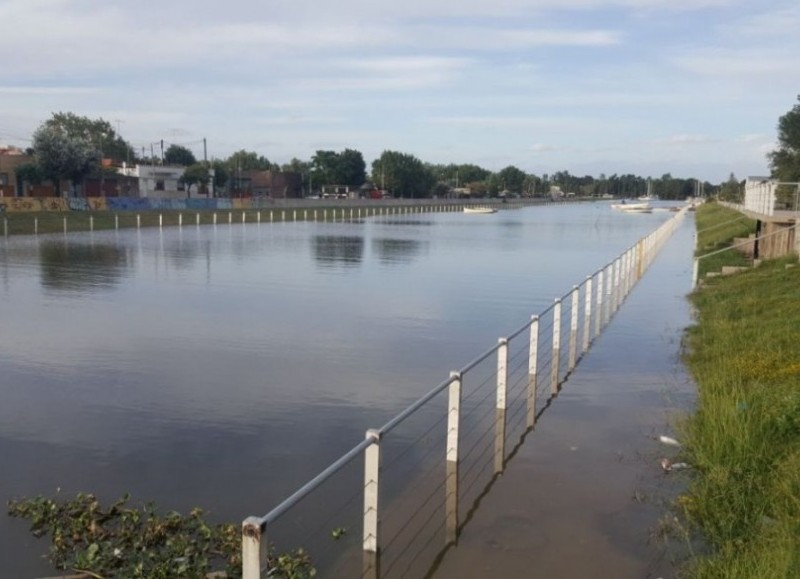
502	387
598	315
555	361
587	313
533	366
573	327
372	464
254	548
451	456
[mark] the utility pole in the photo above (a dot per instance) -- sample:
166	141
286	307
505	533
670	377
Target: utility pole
153	166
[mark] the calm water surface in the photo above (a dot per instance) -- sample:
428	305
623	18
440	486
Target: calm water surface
224	366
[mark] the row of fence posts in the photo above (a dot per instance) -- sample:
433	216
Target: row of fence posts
354	213
604	292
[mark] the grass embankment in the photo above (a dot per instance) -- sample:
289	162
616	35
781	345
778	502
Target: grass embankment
744	439
717	226
28	223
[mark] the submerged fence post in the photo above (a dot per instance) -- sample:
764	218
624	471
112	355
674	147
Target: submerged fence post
254	548
500	424
372	463
160	220
598	316
587	313
609	286
533	362
91	223
555	361
573	328
451	484
197	219
695	271
36	226
5	226
65	225
138	221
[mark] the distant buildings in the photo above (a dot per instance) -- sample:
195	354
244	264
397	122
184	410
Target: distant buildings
10	159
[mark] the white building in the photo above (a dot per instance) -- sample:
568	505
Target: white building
164	181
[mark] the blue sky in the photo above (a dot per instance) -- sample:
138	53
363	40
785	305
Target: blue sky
690	87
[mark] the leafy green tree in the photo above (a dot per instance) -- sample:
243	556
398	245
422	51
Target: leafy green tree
332	168
62	156
403	174
351	168
28	174
248	161
512	178
97	132
297	166
179	155
731	190
196	174
785	161
221	173
458	175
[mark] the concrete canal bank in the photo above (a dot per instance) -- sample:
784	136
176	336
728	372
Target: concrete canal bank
584	494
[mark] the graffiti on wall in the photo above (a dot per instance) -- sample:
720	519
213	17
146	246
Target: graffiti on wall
22	204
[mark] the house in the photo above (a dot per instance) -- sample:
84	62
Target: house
275	184
160	181
10	159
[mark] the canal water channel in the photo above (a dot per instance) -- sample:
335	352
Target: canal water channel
224	366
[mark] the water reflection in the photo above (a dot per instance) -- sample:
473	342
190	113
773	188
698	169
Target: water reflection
398	250
78	267
330	250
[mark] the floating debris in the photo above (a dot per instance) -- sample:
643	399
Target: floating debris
668	440
668	465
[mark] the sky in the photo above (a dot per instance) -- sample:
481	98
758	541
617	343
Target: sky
688	87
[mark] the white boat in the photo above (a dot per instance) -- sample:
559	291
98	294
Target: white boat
480	210
632	207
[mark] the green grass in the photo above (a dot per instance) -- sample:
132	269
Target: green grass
744	439
717	226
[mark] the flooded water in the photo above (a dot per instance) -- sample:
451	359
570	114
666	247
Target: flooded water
224	366
584	494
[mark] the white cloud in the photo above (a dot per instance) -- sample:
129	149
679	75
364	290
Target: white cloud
543	148
740	63
686	140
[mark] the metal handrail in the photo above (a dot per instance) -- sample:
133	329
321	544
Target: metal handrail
389	426
315	482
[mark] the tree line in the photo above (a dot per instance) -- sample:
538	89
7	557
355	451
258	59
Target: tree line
68	147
